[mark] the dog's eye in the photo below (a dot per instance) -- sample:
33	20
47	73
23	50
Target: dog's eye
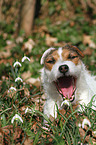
52	61
72	57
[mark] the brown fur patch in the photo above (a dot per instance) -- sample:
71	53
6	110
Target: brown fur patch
78	50
75	49
51	59
69	55
65	54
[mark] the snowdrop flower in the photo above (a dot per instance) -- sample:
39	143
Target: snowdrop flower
28	110
86	122
79	124
12	89
17	63
24	58
65	102
16	117
94	132
18	79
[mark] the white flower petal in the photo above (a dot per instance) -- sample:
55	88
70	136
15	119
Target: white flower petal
24	58
17	64
11	89
18	79
94	132
86	122
28	110
79	124
16	117
65	102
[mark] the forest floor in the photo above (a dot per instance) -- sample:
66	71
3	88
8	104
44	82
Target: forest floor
21	94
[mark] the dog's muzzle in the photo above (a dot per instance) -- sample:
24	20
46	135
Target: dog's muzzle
66	85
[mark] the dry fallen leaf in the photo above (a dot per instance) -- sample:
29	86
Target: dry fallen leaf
1	137
88	136
34	81
27	78
7	132
26	75
7	52
88	51
88	40
29	45
19	39
28	142
50	40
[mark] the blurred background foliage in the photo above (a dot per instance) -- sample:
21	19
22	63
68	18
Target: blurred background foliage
53	23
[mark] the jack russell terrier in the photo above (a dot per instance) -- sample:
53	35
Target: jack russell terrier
65	78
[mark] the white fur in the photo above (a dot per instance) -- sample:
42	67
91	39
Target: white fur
85	85
46	53
60	52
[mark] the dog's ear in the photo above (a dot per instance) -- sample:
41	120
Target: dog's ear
46	53
78	50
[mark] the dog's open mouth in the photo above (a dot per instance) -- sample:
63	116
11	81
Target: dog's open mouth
66	86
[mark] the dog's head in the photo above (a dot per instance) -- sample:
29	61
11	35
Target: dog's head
63	67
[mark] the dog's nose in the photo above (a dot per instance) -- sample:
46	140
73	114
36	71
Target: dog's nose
63	68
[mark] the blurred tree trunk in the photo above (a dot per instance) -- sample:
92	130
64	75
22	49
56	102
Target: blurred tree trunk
1	1
27	12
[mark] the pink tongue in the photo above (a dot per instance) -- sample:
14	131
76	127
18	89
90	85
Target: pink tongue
65	85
